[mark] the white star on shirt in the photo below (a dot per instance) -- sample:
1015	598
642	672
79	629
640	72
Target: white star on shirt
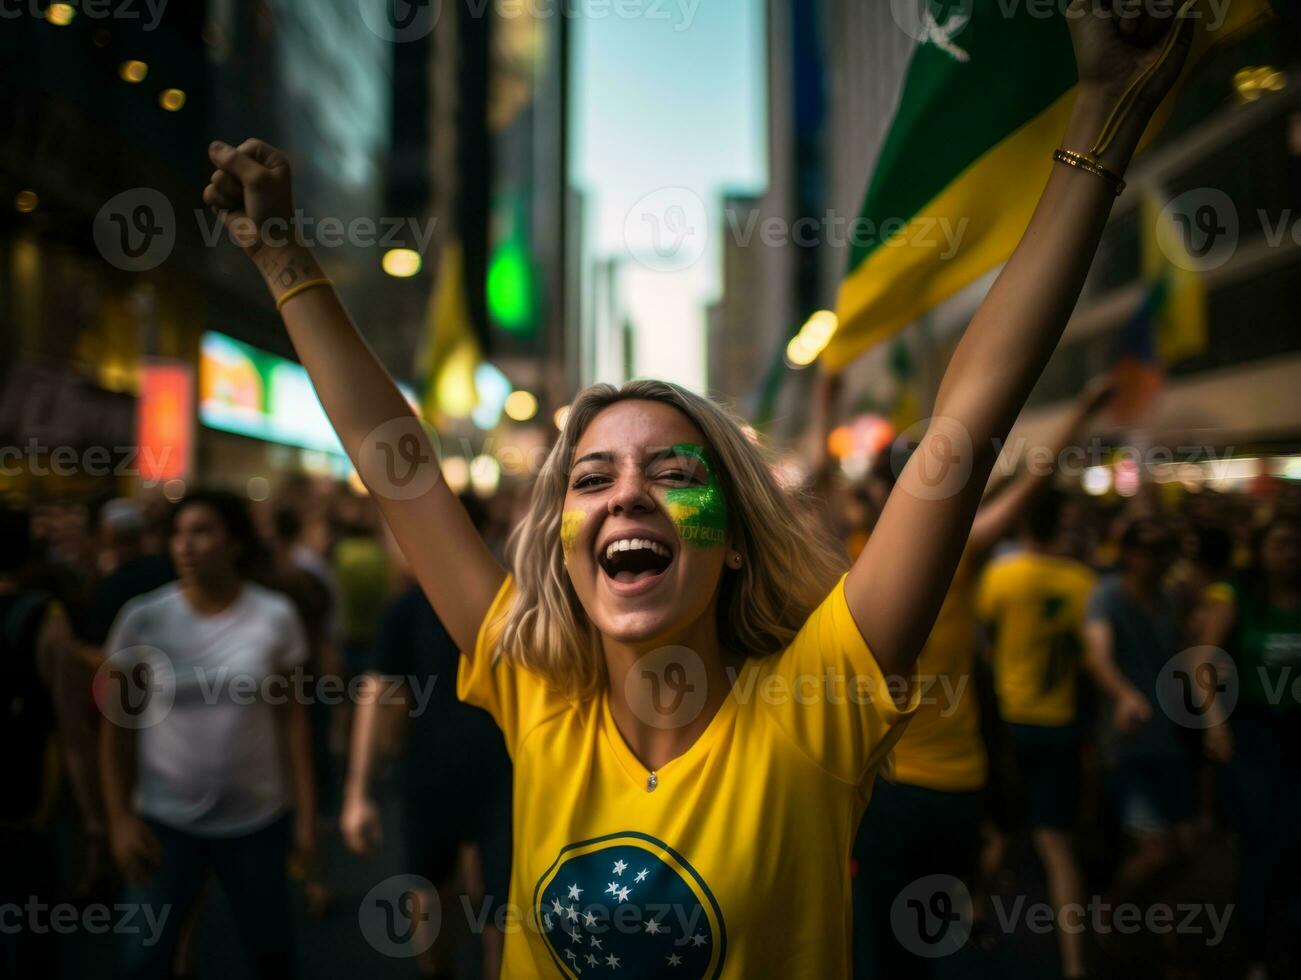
596	943
589	919
675	960
698	940
592	960
620	867
576	935
623	894
546	919
573	915
641	876
653	927
575	892
612	888
613	961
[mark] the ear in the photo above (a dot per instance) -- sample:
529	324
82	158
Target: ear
734	559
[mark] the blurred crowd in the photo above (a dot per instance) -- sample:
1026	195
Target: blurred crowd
1055	753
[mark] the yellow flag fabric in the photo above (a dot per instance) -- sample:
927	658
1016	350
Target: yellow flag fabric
450	353
968	152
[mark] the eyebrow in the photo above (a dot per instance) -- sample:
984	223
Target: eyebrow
653	456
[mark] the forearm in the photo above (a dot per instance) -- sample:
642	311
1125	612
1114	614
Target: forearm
1012	335
356	392
364	740
446	554
298	739
117	769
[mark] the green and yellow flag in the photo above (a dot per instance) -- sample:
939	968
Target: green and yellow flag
986	97
450	352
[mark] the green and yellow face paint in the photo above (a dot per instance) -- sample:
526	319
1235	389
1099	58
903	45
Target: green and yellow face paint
699	512
571	523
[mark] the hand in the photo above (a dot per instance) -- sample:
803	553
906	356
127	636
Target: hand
1115	40
252	192
360	824
1217	743
136	850
1130	712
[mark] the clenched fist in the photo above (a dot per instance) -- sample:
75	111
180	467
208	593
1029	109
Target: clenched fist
252	192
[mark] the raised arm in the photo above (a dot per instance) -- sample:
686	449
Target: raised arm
897	585
999	515
252	191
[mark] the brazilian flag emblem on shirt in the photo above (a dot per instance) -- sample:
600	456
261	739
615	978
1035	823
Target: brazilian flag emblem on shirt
628	905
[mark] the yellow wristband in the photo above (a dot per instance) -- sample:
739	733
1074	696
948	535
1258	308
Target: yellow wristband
302	287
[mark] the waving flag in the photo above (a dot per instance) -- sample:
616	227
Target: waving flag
986	97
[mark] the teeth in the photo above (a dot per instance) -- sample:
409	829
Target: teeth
633	544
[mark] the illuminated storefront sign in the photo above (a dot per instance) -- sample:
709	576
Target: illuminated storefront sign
165	421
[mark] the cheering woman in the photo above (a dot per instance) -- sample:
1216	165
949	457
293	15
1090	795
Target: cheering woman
695	699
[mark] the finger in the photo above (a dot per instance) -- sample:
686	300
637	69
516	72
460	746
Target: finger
220	202
227	185
241	166
263	152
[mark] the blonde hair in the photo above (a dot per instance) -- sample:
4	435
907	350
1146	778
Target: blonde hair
790	566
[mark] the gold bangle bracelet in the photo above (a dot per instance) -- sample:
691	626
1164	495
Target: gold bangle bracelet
1082	162
289	294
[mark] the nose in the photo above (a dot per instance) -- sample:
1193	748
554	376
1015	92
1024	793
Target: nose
630	494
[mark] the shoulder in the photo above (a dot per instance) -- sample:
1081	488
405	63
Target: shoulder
272	603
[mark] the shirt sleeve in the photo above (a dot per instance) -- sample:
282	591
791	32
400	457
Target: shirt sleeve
293	649
827	693
1098	608
516	697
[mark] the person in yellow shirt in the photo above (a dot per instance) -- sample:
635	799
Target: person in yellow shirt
926	813
695	700
1033	602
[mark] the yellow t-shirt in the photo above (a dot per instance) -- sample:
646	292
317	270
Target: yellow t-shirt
941	747
1035	604
737	863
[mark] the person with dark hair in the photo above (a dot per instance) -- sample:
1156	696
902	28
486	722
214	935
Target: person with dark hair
205	747
1131	633
1033	603
1257	620
455	771
127	569
926	816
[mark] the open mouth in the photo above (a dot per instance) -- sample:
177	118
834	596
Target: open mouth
631	560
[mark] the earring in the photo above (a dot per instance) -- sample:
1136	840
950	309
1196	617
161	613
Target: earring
735	560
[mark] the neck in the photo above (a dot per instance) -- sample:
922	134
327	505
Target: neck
652	692
212	595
